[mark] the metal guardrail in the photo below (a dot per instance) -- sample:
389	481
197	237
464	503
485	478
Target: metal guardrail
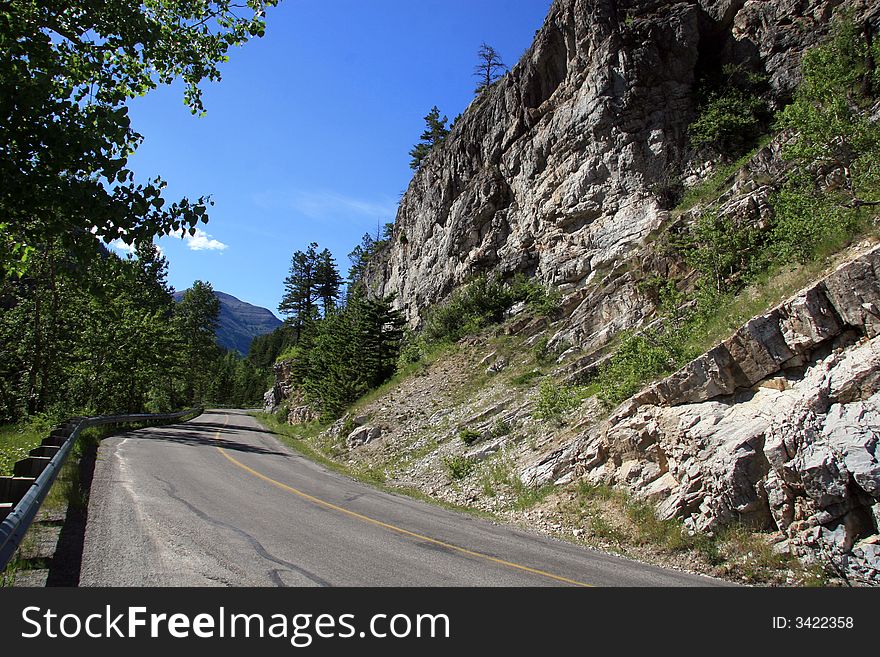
19	519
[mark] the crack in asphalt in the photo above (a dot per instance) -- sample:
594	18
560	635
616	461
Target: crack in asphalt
275	575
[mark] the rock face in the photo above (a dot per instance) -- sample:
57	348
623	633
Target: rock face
282	389
777	427
559	169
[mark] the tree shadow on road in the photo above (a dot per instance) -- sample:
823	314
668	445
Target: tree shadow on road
203	435
217	425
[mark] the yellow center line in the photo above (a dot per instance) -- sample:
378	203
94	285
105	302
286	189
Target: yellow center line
393	528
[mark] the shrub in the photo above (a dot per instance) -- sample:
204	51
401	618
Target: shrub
541	352
282	412
730	113
828	116
721	249
554	400
458	467
468	436
469	309
639	359
501	428
347	427
663	292
537	298
806	221
482	302
412	348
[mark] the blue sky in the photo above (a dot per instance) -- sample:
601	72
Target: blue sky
307	136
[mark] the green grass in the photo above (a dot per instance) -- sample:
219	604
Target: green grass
525	496
641	358
16	440
498	475
555	400
526	378
457	466
766	292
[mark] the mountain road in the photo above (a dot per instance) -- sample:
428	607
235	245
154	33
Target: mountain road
219	501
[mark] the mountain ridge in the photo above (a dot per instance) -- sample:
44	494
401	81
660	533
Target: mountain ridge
240	322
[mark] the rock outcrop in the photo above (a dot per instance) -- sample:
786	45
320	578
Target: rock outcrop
282	389
776	427
559	169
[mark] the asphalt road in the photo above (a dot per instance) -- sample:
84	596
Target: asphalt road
219	501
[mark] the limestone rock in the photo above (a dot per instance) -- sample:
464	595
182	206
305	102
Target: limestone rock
498	365
558	170
363	435
301	415
270	401
777	427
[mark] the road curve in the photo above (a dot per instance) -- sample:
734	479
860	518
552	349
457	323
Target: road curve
218	501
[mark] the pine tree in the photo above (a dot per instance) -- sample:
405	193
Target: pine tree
490	67
379	332
347	353
327	281
434	134
299	298
360	258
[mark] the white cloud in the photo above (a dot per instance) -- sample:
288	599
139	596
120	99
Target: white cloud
200	241
325	204
119	245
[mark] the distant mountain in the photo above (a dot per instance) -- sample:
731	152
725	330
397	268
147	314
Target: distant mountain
240	322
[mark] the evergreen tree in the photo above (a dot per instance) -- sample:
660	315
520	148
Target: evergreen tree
360	258
313	278
265	349
346	354
434	134
299	288
379	333
490	67
327	281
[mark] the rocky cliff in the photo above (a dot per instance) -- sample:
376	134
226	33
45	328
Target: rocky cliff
559	169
